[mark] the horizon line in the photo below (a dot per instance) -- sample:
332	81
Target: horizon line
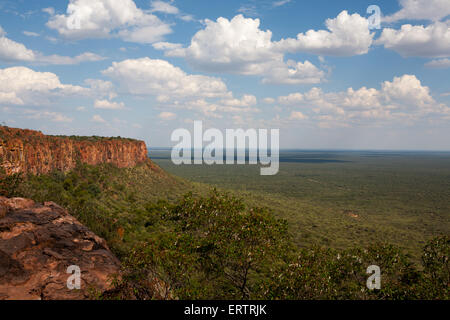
329	149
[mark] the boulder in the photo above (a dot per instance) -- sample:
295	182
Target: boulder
38	244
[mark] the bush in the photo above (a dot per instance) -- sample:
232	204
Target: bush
9	184
436	273
216	248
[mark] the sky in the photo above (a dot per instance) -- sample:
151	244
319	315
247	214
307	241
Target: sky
323	72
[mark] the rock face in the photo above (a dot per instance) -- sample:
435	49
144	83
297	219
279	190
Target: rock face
37	245
31	151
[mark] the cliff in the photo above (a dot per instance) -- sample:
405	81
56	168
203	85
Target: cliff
38	243
33	152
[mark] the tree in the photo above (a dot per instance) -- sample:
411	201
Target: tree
9	184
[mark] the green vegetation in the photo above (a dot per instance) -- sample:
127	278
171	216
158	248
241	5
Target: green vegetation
213	245
343	199
30	136
109	200
92	138
9	184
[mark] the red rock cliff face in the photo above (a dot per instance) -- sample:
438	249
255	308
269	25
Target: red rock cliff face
31	151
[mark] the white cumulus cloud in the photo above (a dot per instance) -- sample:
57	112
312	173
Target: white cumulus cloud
110	105
347	35
109	18
157	77
24	86
418	41
240	46
12	51
433	10
403	98
174	88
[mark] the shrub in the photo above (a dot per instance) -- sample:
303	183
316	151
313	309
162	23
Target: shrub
9	184
436	273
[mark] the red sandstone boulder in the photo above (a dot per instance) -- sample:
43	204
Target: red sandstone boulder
37	245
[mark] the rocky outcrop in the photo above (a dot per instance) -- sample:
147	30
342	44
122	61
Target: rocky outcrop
31	151
37	245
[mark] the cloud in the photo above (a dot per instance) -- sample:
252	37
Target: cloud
439	64
31	34
433	10
280	3
269	100
187	17
157	77
98	119
37	115
63	60
347	35
407	90
105	104
167	46
291	99
174	88
167	116
418	41
249	10
246	101
23	86
293	72
404	98
101	88
106	18
48	115
297	115
238	43
164	7
49	10
51	39
12	51
169	8
239	46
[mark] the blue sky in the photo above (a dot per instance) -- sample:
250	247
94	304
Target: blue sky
314	69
